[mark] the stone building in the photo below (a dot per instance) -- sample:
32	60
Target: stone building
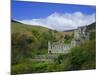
57	47
81	34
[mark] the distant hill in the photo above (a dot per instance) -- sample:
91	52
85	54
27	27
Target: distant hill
15	21
19	27
24	27
92	26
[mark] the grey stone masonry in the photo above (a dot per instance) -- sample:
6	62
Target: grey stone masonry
80	36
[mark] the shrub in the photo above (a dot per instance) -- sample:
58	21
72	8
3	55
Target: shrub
21	68
22	46
81	57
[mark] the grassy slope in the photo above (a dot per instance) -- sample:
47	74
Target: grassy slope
18	27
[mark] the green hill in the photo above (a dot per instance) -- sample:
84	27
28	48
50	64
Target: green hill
22	33
92	26
19	27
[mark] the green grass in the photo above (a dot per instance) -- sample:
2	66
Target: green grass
18	27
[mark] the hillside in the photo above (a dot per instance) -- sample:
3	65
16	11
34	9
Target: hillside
19	27
92	26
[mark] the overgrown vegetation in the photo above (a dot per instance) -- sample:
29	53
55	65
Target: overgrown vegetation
28	41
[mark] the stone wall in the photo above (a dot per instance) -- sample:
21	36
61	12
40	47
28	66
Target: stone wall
80	36
56	47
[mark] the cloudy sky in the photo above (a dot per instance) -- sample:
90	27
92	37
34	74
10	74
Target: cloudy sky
54	16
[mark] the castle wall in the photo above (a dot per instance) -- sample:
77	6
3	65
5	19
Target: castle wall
80	36
59	48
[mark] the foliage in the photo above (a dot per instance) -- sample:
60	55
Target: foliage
28	41
29	67
22	46
81	57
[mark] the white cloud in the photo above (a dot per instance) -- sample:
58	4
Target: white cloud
63	22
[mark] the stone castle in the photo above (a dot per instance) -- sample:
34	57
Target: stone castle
81	35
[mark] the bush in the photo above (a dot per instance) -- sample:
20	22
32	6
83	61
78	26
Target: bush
81	57
22	46
21	68
29	67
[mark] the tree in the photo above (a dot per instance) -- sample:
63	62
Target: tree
22	46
